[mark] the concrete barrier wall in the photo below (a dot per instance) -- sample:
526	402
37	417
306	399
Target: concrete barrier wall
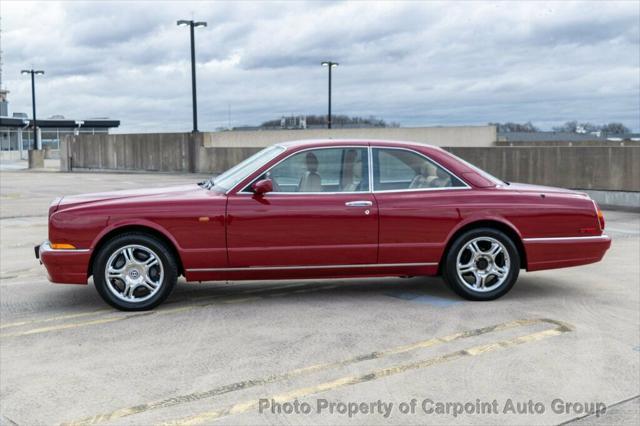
590	167
584	167
165	152
439	136
569	143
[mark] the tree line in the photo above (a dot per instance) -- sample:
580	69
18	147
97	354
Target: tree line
338	121
573	126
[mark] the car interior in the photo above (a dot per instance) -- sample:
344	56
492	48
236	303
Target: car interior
343	169
398	169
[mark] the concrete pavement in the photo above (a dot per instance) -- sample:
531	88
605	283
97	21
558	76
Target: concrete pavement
347	350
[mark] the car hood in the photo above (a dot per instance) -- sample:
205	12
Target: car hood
124	196
525	187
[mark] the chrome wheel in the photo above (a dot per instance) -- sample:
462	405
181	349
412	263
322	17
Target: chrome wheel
483	264
134	273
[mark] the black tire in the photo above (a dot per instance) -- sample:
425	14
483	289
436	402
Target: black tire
164	255
450	271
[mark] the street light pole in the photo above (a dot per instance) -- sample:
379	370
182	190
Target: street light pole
38	142
192	25
329	65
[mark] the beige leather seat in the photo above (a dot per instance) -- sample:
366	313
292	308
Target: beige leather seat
310	180
442	180
351	173
424	179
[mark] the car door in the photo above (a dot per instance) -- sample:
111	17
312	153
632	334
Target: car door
320	213
417	204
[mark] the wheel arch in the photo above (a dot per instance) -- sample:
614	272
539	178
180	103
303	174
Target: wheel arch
506	228
134	228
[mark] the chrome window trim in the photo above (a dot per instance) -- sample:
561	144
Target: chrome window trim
449	188
276	268
242	191
255	170
578	238
382	191
370	159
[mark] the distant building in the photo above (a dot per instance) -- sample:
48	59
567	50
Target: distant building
4	104
569	138
16	133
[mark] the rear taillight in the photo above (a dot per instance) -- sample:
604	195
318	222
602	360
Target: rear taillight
601	219
600	215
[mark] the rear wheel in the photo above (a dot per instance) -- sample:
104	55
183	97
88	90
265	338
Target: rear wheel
134	272
482	264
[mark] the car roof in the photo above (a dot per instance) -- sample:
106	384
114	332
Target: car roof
310	143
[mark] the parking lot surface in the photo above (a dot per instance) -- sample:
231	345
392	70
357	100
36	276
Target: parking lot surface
351	351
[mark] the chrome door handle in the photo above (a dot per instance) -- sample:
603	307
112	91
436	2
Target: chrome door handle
358	204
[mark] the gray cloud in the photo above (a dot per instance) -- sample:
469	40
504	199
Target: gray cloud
415	63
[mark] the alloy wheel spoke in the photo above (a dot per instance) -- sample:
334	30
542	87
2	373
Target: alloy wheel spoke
473	247
128	290
469	267
479	283
128	255
151	261
500	271
115	273
494	250
149	284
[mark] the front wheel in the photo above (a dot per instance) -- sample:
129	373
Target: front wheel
482	264
134	272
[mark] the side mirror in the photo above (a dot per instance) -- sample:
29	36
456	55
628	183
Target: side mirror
262	186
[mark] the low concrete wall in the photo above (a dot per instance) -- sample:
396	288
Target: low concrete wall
11	155
590	167
612	168
439	136
36	159
51	154
568	143
217	160
624	199
164	152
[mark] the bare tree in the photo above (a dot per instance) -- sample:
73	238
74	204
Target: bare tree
515	127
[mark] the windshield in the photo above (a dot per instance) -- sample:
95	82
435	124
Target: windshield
237	173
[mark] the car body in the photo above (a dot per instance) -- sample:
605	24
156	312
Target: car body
330	208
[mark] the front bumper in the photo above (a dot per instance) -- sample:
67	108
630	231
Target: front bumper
64	266
551	253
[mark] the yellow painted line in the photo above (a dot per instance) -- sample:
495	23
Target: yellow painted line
103	311
215	300
70	325
342	382
11	196
246	384
58	318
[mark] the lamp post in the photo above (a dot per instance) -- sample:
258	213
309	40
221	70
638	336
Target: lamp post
193	24
329	65
38	142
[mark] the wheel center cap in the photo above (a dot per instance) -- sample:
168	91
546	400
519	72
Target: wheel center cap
134	274
482	263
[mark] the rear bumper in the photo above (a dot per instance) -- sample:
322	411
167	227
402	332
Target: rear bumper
64	266
551	253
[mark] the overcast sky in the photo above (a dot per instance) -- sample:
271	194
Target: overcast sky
415	63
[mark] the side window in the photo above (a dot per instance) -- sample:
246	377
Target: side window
398	169
322	170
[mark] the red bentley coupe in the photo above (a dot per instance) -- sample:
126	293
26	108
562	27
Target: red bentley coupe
325	208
